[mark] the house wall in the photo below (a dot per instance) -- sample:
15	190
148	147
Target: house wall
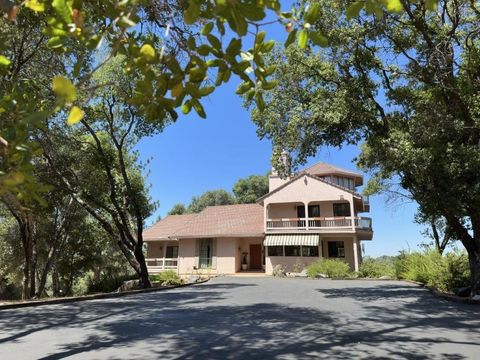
156	249
288	261
274	181
348	243
228	253
306	190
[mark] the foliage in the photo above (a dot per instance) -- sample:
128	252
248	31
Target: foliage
406	89
210	198
279	270
248	190
377	267
432	269
333	268
177	209
166	278
107	283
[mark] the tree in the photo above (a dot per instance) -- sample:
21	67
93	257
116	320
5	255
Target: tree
177	209
186	38
210	198
248	190
406	86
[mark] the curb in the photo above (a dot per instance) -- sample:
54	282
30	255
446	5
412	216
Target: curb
449	297
92	297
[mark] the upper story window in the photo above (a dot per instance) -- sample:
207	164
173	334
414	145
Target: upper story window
346	182
341	209
313	211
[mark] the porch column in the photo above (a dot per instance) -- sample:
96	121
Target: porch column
265	216
320	250
352	214
355	253
306	215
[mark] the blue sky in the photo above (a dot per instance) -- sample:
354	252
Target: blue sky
195	155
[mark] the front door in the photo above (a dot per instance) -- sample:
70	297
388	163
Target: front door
255	256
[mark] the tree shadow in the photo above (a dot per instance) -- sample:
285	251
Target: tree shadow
206	322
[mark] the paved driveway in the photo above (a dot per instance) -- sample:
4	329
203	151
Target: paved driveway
247	318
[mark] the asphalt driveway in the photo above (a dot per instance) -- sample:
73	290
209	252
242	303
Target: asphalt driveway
248	318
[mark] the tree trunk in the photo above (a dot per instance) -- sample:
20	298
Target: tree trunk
474	260
33	266
144	278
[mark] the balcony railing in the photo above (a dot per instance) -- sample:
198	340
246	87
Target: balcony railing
160	264
343	223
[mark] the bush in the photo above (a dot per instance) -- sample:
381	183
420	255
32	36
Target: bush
279	270
108	283
333	268
432	269
375	268
168	277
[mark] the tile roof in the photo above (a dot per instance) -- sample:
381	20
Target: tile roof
322	168
221	220
167	227
225	220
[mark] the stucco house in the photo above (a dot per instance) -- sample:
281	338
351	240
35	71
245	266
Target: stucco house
313	214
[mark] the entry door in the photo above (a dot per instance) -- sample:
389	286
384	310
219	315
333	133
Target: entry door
255	256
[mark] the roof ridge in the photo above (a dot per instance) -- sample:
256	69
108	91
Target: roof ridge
331	166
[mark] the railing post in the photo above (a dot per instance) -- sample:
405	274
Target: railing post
163	264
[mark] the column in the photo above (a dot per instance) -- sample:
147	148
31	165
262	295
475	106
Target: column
355	253
306	215
352	214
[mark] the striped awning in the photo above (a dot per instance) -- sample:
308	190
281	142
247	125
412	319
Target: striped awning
292	239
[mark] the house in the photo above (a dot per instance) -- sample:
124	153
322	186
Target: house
311	215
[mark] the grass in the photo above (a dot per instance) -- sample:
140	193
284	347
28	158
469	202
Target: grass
168	277
333	268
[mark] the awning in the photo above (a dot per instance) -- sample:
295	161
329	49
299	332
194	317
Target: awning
292	239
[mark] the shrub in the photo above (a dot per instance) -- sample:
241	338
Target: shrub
168	277
107	283
333	268
279	270
432	269
375	268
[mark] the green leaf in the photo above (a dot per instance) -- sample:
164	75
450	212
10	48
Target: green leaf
63	10
35	5
148	52
354	9
207	29
431	5
204	50
4	61
260	37
244	87
207	90
302	39
196	75
64	88
394	5
192	13
56	42
260	102
268	46
214	41
269	85
199	108
312	13
177	90
186	107
291	38
76	114
318	39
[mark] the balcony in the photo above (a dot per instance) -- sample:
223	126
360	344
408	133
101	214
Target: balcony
322	224
156	265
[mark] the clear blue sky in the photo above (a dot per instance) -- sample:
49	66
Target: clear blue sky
195	155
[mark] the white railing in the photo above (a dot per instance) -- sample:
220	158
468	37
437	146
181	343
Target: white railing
294	223
159	264
338	223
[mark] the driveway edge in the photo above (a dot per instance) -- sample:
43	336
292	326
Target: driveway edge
92	297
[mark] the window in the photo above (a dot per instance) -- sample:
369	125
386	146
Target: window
313	211
336	249
292	250
300	211
275	251
206	253
172	252
342	209
309	251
